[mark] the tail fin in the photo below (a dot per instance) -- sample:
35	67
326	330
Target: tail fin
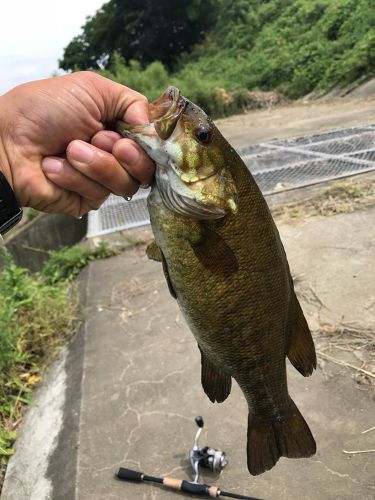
268	441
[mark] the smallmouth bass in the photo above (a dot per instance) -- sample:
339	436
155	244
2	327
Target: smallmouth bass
225	264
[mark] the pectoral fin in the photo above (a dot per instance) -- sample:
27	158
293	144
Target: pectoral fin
153	252
216	384
301	351
215	254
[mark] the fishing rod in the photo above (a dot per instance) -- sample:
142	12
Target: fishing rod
207	457
179	484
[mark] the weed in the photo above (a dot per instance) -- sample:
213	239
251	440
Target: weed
31	214
38	314
344	191
35	319
67	263
341	197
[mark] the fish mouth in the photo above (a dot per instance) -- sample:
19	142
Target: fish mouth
166	111
164	114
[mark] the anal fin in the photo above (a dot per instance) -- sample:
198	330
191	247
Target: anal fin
301	351
216	383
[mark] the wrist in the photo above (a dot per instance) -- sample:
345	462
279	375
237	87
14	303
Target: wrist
5	167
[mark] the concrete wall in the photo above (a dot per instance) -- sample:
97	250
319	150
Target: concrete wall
30	243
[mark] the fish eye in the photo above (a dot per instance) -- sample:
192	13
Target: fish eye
203	135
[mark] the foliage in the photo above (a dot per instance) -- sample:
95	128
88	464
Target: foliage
295	46
38	313
292	45
215	52
155	78
139	29
31	214
66	264
35	318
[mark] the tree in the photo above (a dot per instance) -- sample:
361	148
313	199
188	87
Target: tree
142	30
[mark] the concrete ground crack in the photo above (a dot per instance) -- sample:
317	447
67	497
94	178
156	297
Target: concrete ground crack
339	474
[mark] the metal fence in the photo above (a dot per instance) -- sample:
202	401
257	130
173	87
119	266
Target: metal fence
276	166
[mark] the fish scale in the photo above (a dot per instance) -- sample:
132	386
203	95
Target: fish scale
226	266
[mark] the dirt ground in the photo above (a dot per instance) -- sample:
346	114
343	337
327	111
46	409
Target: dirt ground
300	118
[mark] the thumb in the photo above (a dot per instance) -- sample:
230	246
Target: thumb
118	102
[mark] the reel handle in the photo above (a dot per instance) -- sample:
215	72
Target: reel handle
199	421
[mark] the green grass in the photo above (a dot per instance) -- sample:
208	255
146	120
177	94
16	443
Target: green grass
38	314
66	264
35	319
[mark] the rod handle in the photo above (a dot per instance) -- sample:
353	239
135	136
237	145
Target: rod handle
193	488
129	475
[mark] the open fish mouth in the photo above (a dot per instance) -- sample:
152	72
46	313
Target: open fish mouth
164	114
166	111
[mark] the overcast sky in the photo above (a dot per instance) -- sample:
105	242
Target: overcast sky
33	34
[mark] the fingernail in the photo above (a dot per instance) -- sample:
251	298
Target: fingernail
81	152
52	165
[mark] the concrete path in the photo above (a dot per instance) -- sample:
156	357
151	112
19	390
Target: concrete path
298	119
128	388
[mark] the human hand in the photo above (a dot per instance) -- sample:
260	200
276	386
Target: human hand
45	154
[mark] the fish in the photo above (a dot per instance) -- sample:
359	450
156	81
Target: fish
225	264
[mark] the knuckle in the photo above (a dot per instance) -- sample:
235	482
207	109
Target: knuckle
142	98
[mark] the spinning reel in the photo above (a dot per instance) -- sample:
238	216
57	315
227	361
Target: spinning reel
207	457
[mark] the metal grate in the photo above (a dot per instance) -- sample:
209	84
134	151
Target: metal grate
276	166
117	214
